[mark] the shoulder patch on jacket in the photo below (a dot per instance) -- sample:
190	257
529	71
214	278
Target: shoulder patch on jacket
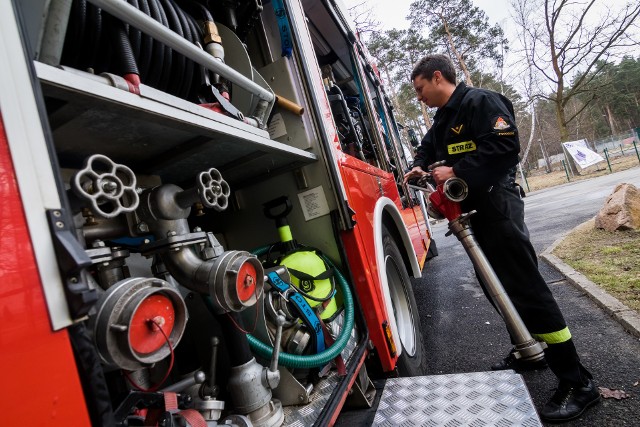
501	123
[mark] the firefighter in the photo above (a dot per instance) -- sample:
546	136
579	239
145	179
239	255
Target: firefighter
474	131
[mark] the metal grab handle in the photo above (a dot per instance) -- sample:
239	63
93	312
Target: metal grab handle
109	187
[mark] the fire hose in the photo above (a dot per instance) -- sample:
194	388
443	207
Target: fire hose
446	200
324	357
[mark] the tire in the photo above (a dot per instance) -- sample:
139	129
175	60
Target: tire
412	361
433	250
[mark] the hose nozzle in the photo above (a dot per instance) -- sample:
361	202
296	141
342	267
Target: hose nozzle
455	189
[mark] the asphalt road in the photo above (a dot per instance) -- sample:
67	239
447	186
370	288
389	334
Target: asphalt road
464	334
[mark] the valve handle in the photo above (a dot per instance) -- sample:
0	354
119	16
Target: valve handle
283	204
109	187
213	190
272	375
280	319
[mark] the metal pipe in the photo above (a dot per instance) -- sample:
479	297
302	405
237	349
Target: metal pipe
55	28
526	347
146	24
289	105
185	265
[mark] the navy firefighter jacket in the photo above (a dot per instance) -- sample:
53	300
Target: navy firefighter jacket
475	133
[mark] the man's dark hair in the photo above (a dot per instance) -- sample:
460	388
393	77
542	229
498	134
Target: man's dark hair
432	63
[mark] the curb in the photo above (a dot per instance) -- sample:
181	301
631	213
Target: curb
628	318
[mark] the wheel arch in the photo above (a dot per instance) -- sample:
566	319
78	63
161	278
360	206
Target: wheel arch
386	213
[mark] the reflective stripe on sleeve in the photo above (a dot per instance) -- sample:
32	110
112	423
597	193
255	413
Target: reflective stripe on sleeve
557	337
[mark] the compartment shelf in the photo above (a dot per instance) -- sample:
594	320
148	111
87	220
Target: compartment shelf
156	133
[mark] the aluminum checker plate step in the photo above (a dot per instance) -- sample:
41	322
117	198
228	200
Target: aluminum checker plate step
476	399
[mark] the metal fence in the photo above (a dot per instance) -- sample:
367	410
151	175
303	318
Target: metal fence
616	143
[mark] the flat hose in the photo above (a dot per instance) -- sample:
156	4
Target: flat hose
313	360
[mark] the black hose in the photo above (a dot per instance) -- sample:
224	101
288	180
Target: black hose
196	34
155	68
187	73
93	42
178	61
146	47
123	52
94	385
71	48
135	35
236	340
98	41
168	52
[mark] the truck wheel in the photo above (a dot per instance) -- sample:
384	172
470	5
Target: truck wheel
433	250
412	361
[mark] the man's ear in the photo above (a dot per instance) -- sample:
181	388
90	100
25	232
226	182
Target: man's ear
437	75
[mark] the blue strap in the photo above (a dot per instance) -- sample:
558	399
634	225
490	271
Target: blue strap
305	311
309	318
283	25
277	282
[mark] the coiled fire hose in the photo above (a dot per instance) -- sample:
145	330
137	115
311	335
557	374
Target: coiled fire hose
314	360
97	40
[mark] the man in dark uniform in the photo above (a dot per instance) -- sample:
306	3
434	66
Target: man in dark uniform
474	131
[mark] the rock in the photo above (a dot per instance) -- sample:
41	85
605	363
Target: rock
621	210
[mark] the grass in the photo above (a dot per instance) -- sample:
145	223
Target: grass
609	259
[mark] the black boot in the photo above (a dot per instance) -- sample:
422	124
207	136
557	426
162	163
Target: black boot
518	365
569	402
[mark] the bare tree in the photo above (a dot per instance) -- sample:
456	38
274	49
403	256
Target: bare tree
569	40
363	18
521	10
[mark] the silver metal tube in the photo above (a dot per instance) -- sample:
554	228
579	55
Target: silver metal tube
197	378
184	266
55	28
525	344
131	15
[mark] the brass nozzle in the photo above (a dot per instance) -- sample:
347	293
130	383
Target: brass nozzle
211	33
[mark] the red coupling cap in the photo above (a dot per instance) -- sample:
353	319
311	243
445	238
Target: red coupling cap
133	80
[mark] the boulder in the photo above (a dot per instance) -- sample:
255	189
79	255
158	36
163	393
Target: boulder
621	210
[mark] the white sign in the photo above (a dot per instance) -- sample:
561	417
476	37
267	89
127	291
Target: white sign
582	155
276	127
314	203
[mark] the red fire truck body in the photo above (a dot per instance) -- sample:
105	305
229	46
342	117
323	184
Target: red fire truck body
98	165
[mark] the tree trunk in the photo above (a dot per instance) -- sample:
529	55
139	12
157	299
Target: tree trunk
547	161
394	94
562	121
425	116
463	65
612	123
531	135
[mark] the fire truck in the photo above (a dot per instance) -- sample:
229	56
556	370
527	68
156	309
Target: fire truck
204	216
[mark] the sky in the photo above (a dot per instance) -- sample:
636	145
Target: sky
392	13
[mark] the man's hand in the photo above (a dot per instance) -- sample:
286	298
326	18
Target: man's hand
441	174
414	173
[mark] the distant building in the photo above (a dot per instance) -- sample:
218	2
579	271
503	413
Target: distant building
556	158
